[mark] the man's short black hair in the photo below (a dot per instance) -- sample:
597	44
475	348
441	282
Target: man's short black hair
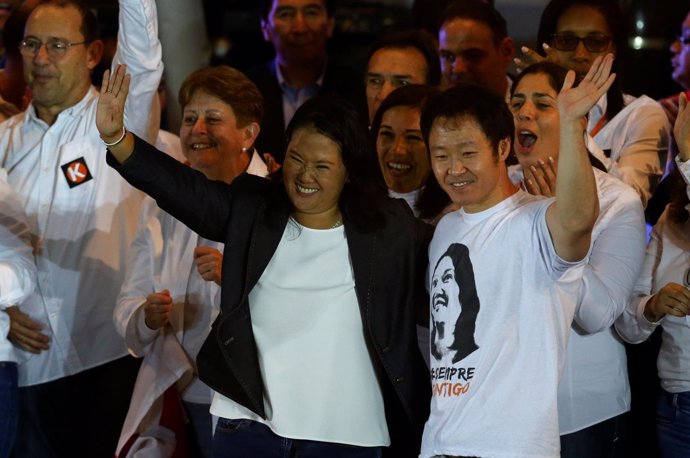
477	10
421	40
263	7
485	107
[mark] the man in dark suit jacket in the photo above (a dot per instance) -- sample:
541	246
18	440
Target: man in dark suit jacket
298	31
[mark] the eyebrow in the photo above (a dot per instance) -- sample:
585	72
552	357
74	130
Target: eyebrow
394	75
536	95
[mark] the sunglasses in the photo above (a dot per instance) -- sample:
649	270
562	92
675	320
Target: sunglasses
568	42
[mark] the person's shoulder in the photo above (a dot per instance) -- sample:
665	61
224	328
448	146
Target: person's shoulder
262	72
611	188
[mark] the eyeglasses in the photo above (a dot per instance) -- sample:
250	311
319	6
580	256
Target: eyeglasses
55	48
567	42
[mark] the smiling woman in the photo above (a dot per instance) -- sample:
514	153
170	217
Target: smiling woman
291	305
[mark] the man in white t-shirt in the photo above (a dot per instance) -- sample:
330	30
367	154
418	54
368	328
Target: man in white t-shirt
504	272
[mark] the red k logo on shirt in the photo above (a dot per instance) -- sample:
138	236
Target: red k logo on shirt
76	172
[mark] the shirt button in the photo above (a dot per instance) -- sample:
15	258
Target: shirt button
386	350
399	380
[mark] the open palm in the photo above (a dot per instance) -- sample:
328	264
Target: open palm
111	103
574	102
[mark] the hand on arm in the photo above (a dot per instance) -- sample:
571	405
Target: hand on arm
25	332
157	309
575	211
681	129
110	113
673	299
209	263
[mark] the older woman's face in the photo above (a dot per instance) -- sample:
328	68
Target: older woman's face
210	138
537	121
401	150
314	176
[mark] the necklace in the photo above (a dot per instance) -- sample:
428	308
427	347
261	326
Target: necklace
338	223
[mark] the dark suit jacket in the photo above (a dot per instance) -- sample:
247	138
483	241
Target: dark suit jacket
336	81
249	216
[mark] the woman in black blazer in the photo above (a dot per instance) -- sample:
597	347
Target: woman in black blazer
284	381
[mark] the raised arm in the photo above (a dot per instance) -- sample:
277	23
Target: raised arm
139	49
572	216
201	204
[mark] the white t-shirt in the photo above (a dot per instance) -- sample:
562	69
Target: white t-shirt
494	388
320	383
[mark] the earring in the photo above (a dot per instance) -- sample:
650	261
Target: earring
244	149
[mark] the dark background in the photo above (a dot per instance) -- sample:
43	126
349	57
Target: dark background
236	24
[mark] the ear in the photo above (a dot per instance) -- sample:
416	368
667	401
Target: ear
266	29
94	53
504	149
506	49
250	132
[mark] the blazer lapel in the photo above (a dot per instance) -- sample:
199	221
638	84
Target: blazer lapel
266	235
362	248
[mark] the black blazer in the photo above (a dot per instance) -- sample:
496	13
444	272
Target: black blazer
249	216
336	81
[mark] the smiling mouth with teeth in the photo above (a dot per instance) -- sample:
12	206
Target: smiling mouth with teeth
304	190
399	166
196	146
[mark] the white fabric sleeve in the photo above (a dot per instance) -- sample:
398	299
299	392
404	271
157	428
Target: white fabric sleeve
642	158
139	283
614	265
139	48
17	268
631	325
556	265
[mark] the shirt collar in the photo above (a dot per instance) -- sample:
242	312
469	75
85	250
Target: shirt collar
284	84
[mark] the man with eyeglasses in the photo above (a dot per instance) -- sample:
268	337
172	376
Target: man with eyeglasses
474	46
75	388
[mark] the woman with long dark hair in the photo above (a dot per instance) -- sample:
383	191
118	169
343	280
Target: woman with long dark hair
314	351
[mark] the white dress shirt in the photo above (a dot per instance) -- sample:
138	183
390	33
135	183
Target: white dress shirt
17	269
637	138
667	260
594	383
80	233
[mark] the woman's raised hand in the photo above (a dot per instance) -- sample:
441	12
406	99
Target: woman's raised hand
111	103
575	102
681	129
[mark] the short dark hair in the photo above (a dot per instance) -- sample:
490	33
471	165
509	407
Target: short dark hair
421	40
90	27
477	10
488	109
615	22
263	7
229	85
365	189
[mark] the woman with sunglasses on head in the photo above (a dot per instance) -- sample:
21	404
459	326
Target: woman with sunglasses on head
632	132
663	298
